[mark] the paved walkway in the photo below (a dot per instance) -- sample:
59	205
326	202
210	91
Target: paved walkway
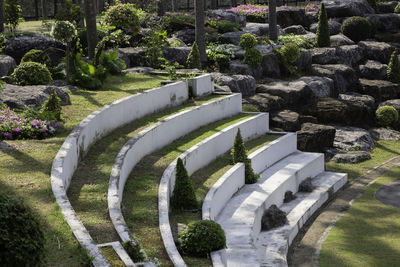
389	194
304	251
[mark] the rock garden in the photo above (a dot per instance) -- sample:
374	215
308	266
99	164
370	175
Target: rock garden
138	134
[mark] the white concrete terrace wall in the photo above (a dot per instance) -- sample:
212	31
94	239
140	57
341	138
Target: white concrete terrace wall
201	85
91	129
195	158
154	138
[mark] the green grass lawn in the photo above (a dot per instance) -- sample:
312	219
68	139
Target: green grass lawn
141	190
25	168
368	234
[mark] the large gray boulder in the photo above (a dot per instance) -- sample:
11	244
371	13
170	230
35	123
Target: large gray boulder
286	120
385	134
295	29
385	22
186	35
17	47
340	39
347	8
347	54
33	96
321	86
352	157
289	16
343	76
379	51
392	102
245	84
373	70
352	139
133	56
315	137
177	54
270	65
304	62
386	7
232	37
294	93
259	29
334	27
229	15
356	97
7	65
266	102
379	89
239	67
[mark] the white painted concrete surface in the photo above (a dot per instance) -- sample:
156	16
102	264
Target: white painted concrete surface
195	158
154	138
201	85
91	129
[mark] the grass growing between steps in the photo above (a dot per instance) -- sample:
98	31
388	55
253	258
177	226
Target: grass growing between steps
204	179
89	186
140	203
112	256
368	234
25	167
383	151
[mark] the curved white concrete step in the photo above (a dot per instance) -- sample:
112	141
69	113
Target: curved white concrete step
241	217
272	246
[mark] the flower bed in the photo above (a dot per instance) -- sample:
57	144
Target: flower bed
15	126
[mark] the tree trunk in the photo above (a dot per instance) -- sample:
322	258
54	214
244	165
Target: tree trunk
91	29
44	9
199	31
1	15
273	29
161	8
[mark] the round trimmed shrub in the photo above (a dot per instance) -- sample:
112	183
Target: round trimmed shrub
21	239
202	237
386	115
64	31
38	56
290	52
124	17
31	73
397	9
248	41
253	57
357	28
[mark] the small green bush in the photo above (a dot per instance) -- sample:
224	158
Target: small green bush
134	251
386	115
51	108
299	40
183	197
323	34
64	31
38	56
290	52
193	61
202	237
393	70
397	9
223	26
12	13
220	55
31	73
70	12
21	239
253	57
248	41
357	28
124	17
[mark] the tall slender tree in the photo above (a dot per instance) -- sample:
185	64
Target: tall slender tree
273	28
1	15
44	9
200	31
91	28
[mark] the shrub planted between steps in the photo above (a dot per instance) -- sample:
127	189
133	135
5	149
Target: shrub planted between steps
386	115
253	57
290	52
393	70
248	41
357	28
51	109
202	237
183	197
193	61
21	239
323	34
31	73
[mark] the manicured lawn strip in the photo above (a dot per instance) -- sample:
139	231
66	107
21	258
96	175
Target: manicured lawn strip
25	168
368	234
204	179
140	203
89	185
112	256
383	151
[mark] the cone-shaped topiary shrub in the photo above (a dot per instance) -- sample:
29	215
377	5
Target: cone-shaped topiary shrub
202	237
357	28
239	154
323	34
183	197
393	70
31	73
21	239
51	108
193	61
38	56
386	115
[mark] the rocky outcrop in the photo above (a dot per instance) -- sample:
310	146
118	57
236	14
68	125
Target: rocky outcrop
379	89
17	97
7	65
304	62
385	22
386	7
343	76
347	8
347	54
186	35
356	97
18	46
379	51
259	29
315	137
350	157
340	39
295	29
385	134
289	16
133	56
266	102
176	54
286	120
373	70
270	65
353	139
232	37
321	86
244	84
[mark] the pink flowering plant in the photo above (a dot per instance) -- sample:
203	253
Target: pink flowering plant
18	126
